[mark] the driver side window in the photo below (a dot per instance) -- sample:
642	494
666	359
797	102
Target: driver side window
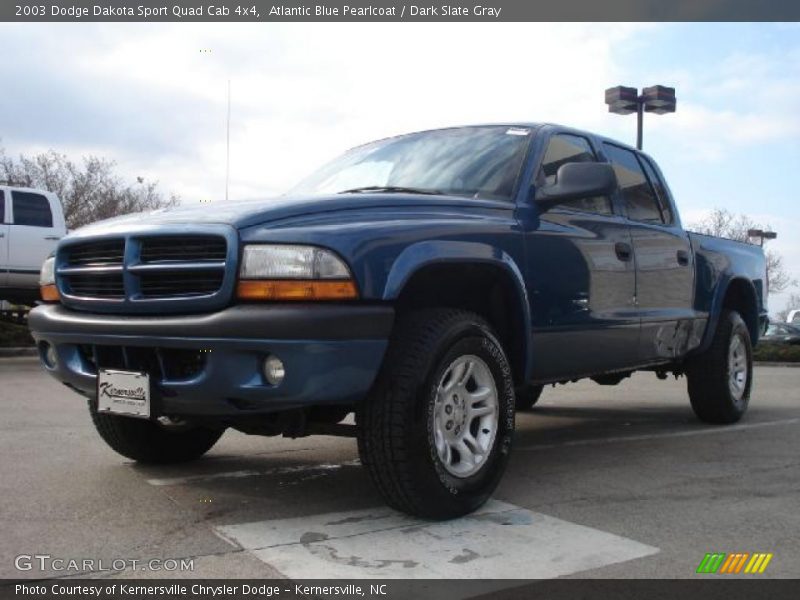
566	148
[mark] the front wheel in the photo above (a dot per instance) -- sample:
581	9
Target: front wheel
153	442
435	433
720	378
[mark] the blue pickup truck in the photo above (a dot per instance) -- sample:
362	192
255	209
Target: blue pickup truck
431	283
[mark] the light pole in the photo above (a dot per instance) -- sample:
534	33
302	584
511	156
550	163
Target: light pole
657	99
762	236
228	143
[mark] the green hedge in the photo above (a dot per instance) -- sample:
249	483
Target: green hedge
14	336
777	352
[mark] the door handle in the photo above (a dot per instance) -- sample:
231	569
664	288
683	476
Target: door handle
2	235
624	251
683	258
53	238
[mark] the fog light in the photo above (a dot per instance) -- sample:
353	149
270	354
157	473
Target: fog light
49	355
274	371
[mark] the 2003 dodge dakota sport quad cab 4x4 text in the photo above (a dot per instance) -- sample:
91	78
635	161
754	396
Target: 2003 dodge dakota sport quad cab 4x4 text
432	283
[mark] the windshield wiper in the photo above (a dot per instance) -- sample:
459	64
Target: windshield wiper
391	189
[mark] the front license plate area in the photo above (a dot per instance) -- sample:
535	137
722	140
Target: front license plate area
123	393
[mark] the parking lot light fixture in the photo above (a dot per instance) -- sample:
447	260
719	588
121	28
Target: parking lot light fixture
761	235
656	99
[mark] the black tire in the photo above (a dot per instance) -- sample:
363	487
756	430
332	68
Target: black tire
528	396
714	398
396	438
151	443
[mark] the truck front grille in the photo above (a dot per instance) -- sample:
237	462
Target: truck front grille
134	272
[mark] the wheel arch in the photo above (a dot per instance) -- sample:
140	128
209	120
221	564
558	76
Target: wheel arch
470	275
739	294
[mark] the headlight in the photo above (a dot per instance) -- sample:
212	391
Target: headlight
292	272
291	262
47	280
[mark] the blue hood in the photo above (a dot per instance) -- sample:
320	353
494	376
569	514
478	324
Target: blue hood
258	212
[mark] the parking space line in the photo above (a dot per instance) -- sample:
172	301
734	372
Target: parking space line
199	478
500	541
652	436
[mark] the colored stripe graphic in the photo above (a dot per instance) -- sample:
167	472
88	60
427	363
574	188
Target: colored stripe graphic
711	562
734	563
741	562
758	563
727	564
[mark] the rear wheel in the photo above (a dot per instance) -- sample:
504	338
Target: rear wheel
720	379
154	442
435	433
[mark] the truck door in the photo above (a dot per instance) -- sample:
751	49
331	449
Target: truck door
4	234
581	277
663	256
33	235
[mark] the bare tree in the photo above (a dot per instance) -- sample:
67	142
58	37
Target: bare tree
90	191
723	223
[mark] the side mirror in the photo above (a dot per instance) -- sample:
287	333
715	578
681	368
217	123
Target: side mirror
575	181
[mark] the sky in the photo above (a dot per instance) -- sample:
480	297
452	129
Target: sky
153	97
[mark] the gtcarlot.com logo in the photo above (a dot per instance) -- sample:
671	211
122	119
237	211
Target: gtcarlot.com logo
46	562
734	563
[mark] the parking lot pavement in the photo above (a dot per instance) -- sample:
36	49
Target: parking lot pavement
603	482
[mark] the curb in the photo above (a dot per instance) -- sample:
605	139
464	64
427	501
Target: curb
775	364
15	352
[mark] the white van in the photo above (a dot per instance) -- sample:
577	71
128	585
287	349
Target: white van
31	223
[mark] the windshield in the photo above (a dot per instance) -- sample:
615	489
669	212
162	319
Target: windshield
479	162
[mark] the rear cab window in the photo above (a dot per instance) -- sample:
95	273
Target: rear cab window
31	209
659	188
2	207
638	195
563	148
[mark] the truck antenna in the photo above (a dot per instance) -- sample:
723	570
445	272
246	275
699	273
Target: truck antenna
228	144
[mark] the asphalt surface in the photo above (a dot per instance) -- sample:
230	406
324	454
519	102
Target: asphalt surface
624	463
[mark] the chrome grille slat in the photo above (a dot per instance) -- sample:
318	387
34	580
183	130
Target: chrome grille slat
176	267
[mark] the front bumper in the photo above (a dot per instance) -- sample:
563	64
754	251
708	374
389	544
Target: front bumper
331	354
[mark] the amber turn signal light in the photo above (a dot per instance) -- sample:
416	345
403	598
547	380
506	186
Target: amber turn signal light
287	289
49	293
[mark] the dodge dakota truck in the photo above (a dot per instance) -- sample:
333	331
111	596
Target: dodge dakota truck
430	283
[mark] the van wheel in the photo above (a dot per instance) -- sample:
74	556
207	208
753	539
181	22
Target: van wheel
435	432
528	396
151	441
719	379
